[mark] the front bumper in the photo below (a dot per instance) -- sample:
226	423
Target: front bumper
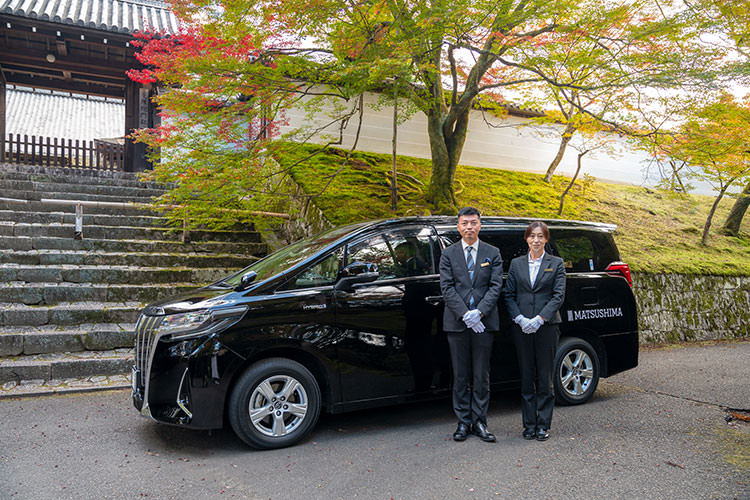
183	382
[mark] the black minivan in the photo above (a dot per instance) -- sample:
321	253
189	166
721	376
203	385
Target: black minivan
351	319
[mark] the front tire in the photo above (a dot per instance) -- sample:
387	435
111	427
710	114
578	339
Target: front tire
274	404
576	371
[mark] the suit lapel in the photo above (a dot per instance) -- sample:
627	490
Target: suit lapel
477	261
525	270
545	264
461	256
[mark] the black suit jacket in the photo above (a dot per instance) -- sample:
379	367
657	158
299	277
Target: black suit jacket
457	288
544	298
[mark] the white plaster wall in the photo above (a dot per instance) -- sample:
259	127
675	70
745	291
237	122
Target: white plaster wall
503	143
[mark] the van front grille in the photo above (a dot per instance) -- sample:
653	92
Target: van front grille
145	341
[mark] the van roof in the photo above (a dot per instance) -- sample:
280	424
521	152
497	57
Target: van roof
449	220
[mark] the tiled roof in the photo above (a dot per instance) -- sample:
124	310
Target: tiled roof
121	16
56	114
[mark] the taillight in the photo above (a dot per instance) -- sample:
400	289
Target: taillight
620	269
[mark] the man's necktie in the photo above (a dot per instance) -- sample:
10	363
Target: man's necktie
470	266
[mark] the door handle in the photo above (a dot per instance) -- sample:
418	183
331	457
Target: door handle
434	300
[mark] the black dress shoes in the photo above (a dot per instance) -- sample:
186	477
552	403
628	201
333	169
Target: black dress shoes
481	431
462	432
542	434
529	434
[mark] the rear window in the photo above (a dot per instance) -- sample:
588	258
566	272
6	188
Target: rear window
584	251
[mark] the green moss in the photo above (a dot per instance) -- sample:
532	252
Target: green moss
734	446
658	231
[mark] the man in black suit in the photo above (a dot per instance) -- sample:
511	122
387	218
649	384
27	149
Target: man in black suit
471	279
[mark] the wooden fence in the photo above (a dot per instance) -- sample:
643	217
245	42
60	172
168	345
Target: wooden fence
54	152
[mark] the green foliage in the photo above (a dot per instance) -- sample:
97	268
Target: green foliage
238	64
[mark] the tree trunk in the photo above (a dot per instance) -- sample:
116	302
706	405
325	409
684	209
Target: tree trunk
445	146
734	220
707	226
572	181
566	137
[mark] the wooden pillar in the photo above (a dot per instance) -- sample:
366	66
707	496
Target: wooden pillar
3	112
138	114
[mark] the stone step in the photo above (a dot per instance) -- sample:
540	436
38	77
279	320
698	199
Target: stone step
110	245
110	275
17	205
28	340
74	176
69	313
69	217
100	258
73	190
122	232
39	195
55	293
57	366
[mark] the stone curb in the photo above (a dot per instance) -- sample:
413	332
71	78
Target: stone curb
66	386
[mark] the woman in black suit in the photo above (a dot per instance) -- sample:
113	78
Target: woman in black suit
534	292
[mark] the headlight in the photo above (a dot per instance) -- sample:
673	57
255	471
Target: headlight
197	323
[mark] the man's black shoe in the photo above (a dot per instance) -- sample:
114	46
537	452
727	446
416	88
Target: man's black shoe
462	432
481	430
529	434
542	434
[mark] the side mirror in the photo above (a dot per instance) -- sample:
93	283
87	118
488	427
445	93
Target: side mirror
354	273
245	281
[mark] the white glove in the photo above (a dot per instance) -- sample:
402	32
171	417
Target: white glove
471	318
523	322
533	325
478	327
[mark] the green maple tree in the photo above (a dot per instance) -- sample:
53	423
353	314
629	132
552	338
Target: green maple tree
713	141
437	56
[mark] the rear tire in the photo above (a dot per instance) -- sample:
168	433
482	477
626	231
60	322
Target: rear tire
576	371
274	404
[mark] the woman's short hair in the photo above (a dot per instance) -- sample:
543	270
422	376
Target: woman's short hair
537	224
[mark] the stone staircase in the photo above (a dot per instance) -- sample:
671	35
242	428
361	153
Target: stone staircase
68	306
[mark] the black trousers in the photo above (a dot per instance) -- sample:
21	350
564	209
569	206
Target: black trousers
536	357
470	357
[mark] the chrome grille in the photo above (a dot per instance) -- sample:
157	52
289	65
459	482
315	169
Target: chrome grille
145	341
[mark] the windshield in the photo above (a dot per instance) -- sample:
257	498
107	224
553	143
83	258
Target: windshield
286	257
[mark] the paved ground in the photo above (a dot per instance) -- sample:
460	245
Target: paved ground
656	432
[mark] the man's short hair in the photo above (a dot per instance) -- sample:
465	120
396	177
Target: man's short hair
469	211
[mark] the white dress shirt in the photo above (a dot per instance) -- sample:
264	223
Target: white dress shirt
474	249
534	265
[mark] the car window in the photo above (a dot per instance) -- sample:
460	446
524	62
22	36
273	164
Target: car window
287	257
576	251
412	253
323	273
585	251
375	250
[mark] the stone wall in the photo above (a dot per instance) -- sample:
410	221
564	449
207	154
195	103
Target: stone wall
676	307
306	218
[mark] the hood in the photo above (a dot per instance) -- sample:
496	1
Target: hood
201	298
